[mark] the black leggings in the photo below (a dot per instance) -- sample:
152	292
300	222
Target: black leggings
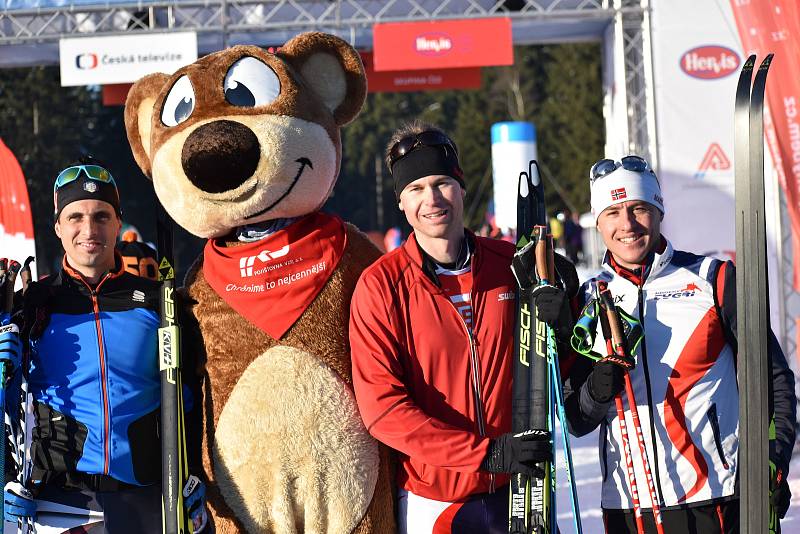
715	518
126	511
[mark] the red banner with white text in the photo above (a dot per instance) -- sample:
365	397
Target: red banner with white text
442	44
419	80
774	26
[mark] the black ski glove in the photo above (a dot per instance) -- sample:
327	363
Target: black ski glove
606	380
779	493
552	307
519	453
567	275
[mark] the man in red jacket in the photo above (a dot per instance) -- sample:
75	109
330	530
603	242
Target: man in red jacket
431	334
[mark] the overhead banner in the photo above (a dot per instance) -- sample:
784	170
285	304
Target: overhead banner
124	58
774	26
16	226
442	44
419	80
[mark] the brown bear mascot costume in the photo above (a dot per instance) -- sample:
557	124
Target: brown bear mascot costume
243	147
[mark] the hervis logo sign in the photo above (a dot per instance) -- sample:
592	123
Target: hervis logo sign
433	44
709	62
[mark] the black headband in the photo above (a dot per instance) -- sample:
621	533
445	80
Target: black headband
84	188
426	161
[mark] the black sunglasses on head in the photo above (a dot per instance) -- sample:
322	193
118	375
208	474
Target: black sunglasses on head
607	166
410	142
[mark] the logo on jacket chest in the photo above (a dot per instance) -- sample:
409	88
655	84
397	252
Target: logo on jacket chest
510	295
689	291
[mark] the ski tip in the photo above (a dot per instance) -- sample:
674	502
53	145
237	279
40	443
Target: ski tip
524	185
533	170
750	63
766	62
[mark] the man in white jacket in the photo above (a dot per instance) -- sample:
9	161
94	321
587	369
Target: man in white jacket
684	377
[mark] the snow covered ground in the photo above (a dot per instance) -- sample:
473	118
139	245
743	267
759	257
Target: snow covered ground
587	475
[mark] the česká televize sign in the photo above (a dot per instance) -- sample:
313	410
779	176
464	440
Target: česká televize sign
123	59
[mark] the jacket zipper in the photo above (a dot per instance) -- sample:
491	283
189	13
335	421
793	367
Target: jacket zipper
646	373
712	418
476	390
103	375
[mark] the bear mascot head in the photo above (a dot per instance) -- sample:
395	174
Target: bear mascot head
243	147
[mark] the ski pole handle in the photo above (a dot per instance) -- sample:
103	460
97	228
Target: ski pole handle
551	262
540	238
617	338
25	273
11	278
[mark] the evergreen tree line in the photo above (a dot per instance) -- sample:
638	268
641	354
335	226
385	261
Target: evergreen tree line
557	87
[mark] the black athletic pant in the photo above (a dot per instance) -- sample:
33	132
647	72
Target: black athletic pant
715	518
133	510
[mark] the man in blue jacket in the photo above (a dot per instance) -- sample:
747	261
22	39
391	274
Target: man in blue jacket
93	373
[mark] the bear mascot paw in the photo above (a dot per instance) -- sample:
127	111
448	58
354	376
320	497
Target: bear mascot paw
243	147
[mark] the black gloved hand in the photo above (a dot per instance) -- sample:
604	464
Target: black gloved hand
552	307
519	453
779	493
549	301
567	275
606	380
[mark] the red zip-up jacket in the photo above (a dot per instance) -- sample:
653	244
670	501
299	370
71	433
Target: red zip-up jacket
424	385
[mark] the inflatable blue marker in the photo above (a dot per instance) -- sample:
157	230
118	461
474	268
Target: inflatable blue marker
513	146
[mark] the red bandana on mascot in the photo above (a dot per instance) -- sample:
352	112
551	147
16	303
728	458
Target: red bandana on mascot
292	265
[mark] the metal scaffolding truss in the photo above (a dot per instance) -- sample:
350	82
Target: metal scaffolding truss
31	29
24	24
635	45
788	298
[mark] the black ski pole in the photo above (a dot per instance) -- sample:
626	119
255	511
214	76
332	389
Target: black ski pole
174	469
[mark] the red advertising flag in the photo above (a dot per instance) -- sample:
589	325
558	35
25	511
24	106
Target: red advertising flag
442	44
15	207
774	26
419	80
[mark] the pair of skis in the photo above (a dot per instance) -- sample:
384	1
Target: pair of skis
752	301
174	462
536	387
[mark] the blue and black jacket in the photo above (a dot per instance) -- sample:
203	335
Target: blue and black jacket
94	377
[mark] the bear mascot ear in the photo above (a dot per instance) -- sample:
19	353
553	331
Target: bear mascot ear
139	108
332	69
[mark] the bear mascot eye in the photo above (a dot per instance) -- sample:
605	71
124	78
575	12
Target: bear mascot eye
179	103
250	82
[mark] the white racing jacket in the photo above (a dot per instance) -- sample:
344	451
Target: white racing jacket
684	383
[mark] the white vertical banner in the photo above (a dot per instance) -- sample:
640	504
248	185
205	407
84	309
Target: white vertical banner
696	62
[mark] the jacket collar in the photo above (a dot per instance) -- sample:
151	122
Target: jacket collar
427	266
652	266
118	270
